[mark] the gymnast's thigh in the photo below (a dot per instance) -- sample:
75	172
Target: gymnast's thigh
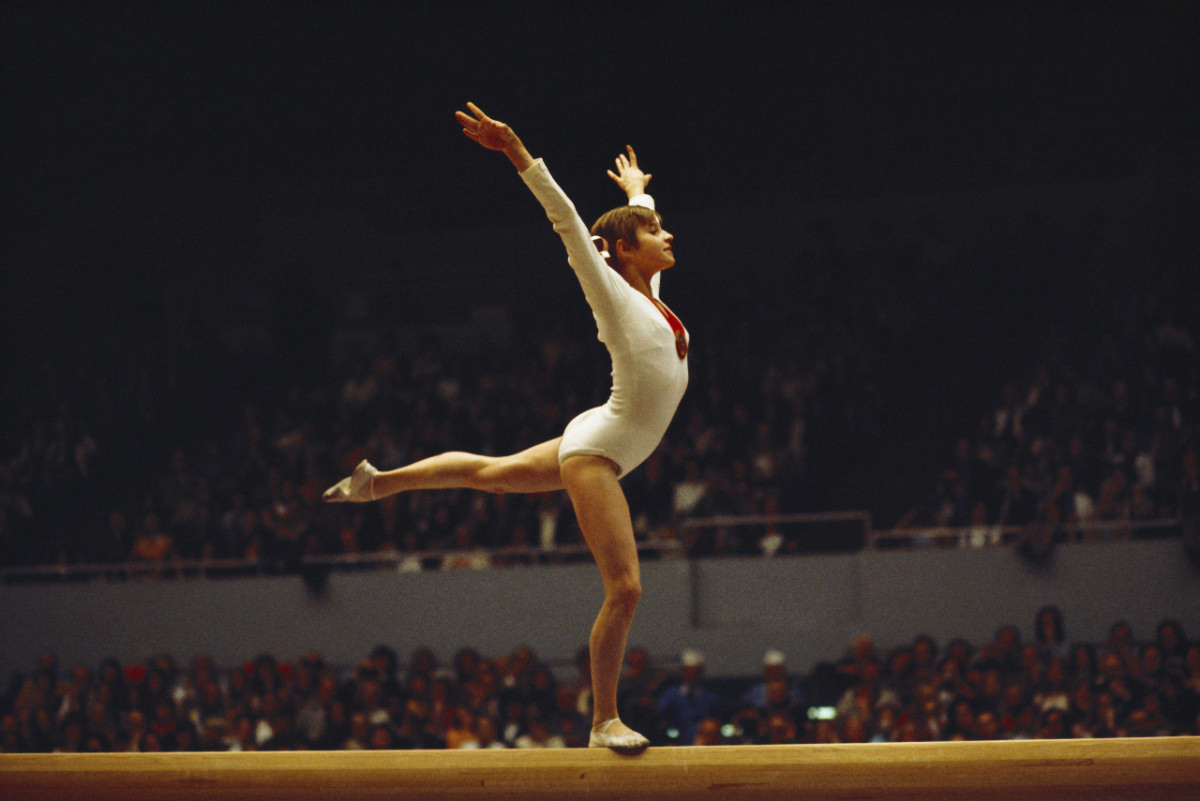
534	469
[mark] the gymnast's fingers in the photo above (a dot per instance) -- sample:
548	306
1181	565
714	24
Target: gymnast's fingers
478	112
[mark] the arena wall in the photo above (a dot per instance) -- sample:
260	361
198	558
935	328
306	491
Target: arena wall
732	609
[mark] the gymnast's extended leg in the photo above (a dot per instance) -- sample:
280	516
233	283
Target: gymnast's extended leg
603	515
531	470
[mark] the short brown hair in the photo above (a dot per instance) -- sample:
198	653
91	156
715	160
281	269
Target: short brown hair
622	224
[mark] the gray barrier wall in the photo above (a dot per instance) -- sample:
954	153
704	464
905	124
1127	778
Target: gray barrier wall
730	609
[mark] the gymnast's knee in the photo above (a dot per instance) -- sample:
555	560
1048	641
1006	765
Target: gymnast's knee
624	593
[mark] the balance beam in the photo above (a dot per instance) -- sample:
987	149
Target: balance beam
1153	769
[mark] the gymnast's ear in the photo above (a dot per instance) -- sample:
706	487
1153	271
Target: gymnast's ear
602	245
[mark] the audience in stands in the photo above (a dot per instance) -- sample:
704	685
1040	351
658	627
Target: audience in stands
154	450
1101	432
1003	689
1108	443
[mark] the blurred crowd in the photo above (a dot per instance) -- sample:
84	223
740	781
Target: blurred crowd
1108	434
1011	687
149	449
104	479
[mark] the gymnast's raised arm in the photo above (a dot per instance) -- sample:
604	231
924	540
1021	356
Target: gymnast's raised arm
494	135
632	180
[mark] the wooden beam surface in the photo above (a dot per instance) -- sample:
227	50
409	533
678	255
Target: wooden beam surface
1151	769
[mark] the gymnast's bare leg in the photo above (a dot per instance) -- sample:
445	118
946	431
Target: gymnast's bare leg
603	515
604	519
532	470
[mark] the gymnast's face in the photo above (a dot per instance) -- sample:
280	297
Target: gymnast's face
653	252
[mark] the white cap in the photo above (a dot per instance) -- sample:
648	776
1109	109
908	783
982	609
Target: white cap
773	657
691	658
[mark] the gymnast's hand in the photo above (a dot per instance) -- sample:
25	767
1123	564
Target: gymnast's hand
628	175
494	135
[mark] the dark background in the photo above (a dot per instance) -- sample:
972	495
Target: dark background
159	151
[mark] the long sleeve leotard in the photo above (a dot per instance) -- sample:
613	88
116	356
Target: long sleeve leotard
649	375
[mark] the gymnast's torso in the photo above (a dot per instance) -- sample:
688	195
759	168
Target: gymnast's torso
649	375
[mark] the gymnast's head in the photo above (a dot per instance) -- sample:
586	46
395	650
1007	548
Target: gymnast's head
633	235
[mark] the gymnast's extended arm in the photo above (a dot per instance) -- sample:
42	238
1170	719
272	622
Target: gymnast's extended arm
494	135
606	292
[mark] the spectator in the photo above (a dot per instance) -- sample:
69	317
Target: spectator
961	720
1018	504
863	698
899	677
485	734
641	678
1120	643
708	732
314	717
581	687
1048	630
381	738
1081	715
775	690
539	735
924	658
1052	691
987	727
749	727
571	726
1082	662
1052	726
780	729
860	654
1171	641
151	544
688	701
115	544
1004	651
1114	683
360	733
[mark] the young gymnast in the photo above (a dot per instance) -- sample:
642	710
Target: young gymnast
648	347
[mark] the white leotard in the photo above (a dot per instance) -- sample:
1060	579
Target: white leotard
648	375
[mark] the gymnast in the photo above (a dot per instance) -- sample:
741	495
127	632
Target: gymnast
618	265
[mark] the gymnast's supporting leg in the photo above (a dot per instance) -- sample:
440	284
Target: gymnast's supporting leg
532	470
603	515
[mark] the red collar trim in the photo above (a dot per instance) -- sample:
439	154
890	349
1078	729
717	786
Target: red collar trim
681	342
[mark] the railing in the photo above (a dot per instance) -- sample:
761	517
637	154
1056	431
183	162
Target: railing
316	566
821	532
987	536
828	532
